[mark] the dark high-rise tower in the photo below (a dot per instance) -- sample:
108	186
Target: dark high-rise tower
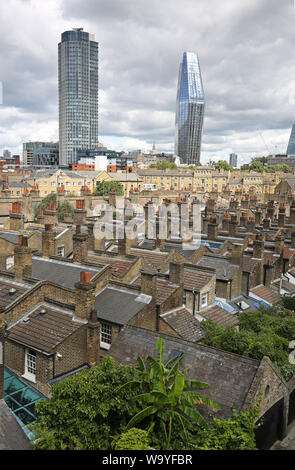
78	94
189	110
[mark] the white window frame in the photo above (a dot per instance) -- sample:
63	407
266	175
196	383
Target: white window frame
204	299
62	248
9	261
105	336
30	365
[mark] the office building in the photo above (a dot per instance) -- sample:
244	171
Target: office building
29	148
78	94
233	160
189	110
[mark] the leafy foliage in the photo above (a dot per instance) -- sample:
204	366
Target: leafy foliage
223	165
104	187
165	399
133	439
266	332
164	165
235	433
63	208
85	411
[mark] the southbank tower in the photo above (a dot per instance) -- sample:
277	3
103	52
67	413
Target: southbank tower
78	94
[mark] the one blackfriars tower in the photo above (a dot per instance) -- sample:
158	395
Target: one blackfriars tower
190	106
78	94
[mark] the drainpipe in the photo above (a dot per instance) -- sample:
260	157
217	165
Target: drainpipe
157	317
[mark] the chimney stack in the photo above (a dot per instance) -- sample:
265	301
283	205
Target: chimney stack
84	296
282	215
48	241
237	254
80	212
212	229
50	215
93	339
79	246
22	259
16	222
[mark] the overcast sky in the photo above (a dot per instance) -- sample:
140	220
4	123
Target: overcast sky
247	58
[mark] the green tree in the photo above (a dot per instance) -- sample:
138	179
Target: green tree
62	207
165	399
266	332
85	411
134	439
223	165
235	433
164	165
104	188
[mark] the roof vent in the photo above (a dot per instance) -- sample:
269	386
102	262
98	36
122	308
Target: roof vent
12	291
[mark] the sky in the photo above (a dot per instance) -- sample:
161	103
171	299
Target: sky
246	53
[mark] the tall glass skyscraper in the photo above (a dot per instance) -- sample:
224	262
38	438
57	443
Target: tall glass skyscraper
78	94
291	144
190	106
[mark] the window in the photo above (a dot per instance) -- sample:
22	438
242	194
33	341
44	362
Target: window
30	365
204	300
105	336
61	251
9	262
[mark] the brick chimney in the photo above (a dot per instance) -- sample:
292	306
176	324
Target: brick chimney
79	246
90	236
149	283
282	215
212	229
40	217
84	296
258	216
233	225
93	339
48	241
243	219
271	210
80	212
50	215
237	254
225	222
279	243
258	247
16	222
176	273
268	274
266	223
251	224
22	259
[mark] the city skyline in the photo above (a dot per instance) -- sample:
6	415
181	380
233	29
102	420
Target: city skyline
140	50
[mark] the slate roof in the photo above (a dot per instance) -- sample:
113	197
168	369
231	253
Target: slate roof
119	267
230	376
7	295
249	264
224	268
44	331
12	437
266	294
195	279
164	288
181	248
10	237
219	316
183	322
119	306
61	272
